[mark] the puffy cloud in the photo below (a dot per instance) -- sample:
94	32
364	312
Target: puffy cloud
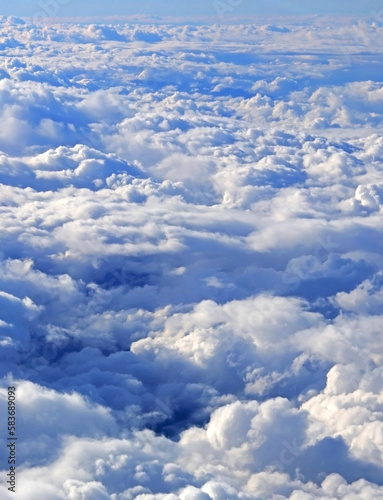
190	267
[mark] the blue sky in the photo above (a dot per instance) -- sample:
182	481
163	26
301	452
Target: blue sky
178	8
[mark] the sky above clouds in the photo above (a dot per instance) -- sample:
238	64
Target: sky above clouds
176	8
191	270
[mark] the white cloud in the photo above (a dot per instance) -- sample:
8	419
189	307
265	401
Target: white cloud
190	271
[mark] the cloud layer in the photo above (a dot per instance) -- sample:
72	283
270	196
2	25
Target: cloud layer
191	272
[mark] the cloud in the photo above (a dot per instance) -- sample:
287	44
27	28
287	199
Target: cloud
190	265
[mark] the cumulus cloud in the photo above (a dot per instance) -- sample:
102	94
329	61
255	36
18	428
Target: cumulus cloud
190	265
